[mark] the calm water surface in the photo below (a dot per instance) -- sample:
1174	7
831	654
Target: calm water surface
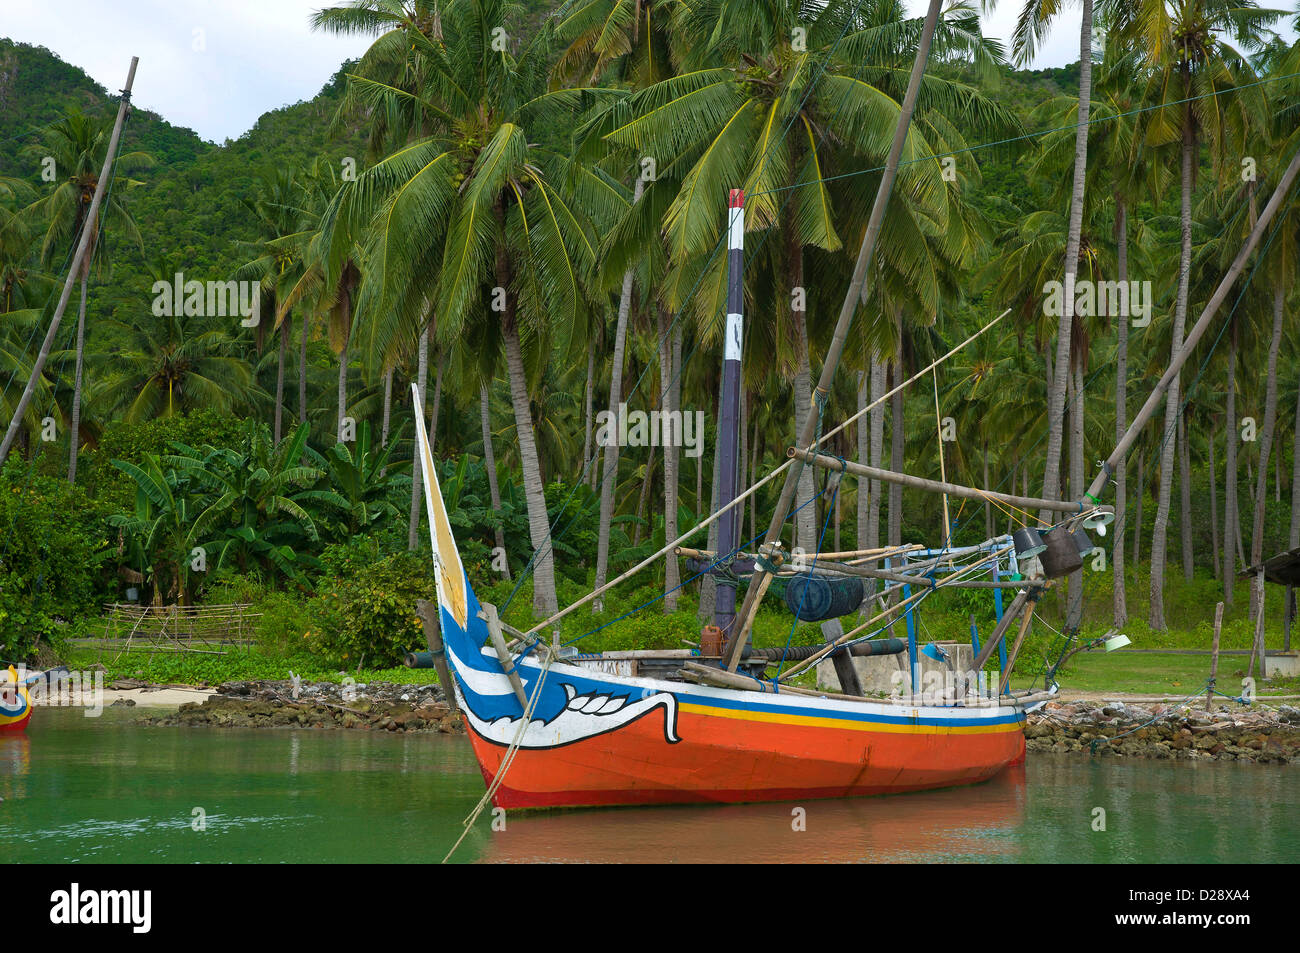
82	789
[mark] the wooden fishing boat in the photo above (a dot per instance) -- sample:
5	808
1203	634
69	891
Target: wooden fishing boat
555	731
554	728
15	702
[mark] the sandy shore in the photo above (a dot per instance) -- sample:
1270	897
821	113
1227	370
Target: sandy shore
168	696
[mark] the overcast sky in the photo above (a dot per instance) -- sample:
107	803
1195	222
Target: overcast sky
217	65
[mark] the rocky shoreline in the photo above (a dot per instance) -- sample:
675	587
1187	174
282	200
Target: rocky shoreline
374	706
1115	729
1092	728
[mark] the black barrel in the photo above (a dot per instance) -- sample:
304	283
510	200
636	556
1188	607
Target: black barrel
812	597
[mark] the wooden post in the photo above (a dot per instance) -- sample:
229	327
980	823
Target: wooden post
1000	632
428	613
489	615
1214	655
1257	643
1015	649
83	245
845	671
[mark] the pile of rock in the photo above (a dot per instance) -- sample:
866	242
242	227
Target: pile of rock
1225	733
375	706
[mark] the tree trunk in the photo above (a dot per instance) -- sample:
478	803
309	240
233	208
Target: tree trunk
539	527
435	415
897	437
588	467
1185	480
806	521
1120	590
279	377
863	433
1214	509
1173	399
1074	601
1230	501
388	407
609	452
671	391
1294	539
879	384
343	389
1266	448
1141	495
302	370
1056	393
417	481
490	464
74	435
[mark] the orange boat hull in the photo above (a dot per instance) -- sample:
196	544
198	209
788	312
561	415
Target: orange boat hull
726	759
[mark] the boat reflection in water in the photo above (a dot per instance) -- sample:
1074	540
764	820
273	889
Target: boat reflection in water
15	764
980	822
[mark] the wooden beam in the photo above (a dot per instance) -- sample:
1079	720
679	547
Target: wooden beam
428	613
489	615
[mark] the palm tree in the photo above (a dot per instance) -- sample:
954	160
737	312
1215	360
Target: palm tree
780	94
1206	87
78	145
172	364
277	263
481	204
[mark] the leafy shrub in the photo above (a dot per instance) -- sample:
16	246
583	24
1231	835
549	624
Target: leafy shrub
55	545
370	614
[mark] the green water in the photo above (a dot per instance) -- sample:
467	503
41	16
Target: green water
82	789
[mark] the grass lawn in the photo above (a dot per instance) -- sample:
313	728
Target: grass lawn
1155	674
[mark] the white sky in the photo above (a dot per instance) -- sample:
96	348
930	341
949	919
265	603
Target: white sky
216	65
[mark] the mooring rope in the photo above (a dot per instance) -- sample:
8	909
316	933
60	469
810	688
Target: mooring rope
508	759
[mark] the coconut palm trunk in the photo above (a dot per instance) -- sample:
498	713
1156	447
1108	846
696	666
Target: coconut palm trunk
609	452
588	468
74	435
302	372
1230	475
279	378
1173	399
669	355
388	407
806	521
417	473
539	526
1266	448
1060	377
1120	594
490	464
1074	604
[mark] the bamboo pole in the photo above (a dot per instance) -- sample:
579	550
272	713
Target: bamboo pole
938	486
1214	655
83	244
489	615
1000	631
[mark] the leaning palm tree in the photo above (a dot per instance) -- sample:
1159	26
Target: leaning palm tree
77	144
